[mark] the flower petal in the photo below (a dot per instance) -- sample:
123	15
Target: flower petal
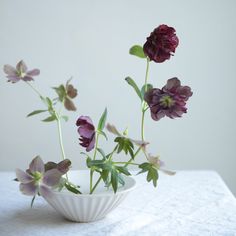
23	177
10	70
13	79
69	105
52	177
112	129
64	166
44	190
21	66
37	165
33	72
27	78
29	188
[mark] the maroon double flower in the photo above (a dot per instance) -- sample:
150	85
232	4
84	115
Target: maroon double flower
161	44
87	132
169	101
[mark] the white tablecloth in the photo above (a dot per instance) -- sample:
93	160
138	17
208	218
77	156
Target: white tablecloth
190	203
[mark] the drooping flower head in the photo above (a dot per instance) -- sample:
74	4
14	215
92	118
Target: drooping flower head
169	101
39	178
21	72
161	43
87	132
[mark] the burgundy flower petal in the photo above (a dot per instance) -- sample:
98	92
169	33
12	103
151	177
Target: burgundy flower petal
86	131
33	72
161	43
91	144
21	66
29	188
23	177
71	91
52	177
10	70
169	101
36	165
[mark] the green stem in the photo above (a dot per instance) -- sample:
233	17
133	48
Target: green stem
144	103
132	158
35	90
96	184
126	163
94	156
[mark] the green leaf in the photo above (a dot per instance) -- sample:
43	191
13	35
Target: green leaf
121	180
65	118
61	92
35	112
144	166
152	175
123	170
114	179
124	144
132	83
72	188
50	118
105	175
102	153
102	120
103	134
137	51
149	86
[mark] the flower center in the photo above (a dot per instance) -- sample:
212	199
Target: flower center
167	101
21	74
37	176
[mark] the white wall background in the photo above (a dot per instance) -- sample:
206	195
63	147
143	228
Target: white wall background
90	40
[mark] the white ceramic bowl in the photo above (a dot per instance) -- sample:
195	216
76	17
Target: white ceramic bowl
88	207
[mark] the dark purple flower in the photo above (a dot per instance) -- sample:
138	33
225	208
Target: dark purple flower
21	72
161	43
38	179
87	132
169	101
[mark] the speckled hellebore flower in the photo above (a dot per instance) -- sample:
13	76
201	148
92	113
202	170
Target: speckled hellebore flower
38	180
169	101
87	132
21	72
161	43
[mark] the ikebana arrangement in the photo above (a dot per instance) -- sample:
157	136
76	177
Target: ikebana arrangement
41	179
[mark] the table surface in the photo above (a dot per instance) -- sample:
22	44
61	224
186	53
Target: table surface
189	203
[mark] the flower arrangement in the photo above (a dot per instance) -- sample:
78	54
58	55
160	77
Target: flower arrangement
169	101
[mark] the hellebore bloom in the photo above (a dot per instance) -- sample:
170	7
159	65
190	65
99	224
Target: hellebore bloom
71	93
87	132
38	180
155	161
21	72
161	43
169	101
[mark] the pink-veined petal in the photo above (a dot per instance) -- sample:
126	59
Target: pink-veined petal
37	165
52	177
29	188
23	177
9	70
33	72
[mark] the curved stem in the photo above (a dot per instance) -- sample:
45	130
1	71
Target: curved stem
126	163
60	137
35	90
